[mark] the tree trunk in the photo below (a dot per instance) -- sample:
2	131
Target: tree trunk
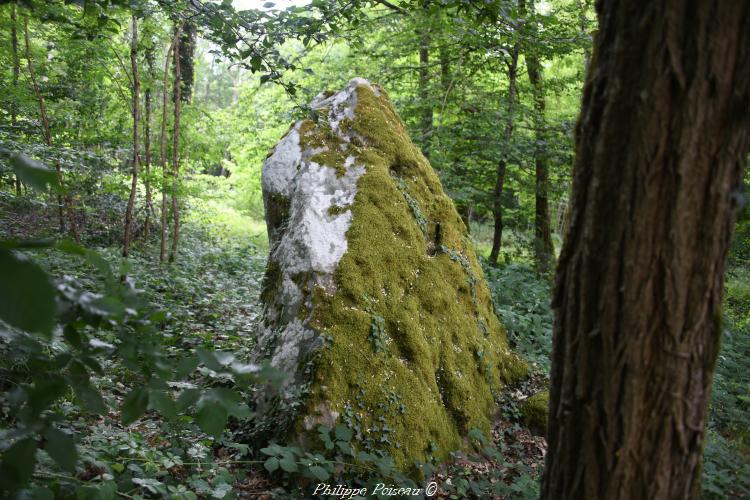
62	201
583	8
147	144
497	195
136	139
16	74
163	152
661	143
176	150
187	60
445	71
424	91
543	252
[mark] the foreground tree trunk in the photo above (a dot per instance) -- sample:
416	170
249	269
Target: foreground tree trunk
497	195
176	149
136	140
661	143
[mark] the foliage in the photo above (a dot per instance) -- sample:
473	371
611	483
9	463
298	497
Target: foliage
521	299
725	469
75	348
86	353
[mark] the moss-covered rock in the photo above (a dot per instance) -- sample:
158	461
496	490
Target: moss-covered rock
375	303
534	412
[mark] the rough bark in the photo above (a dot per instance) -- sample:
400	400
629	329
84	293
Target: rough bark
64	202
497	194
661	143
187	60
176	150
136	139
16	73
163	153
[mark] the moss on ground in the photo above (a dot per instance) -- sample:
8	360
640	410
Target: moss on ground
427	373
534	412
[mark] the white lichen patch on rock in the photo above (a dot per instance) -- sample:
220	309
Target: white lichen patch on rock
307	220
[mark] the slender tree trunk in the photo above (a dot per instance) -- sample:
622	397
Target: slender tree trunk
661	143
543	252
16	74
583	7
188	37
497	195
63	202
136	139
424	90
208	82
147	144
163	153
176	150
445	70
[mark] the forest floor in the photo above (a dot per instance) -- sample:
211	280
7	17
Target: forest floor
212	299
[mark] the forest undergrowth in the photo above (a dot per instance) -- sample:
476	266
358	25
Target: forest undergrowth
211	301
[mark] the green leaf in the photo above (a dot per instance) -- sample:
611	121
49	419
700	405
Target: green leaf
272	450
90	398
345	447
212	419
187	398
186	366
230	400
42	493
163	403
385	465
209	359
33	173
61	448
271	464
27	297
288	463
343	433
319	472
135	405
18	464
100	491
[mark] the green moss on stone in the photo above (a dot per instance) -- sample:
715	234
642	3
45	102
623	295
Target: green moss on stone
418	394
534	412
336	210
321	137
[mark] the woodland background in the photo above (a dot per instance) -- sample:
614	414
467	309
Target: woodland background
127	397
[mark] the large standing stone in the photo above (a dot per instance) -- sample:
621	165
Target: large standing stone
375	304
